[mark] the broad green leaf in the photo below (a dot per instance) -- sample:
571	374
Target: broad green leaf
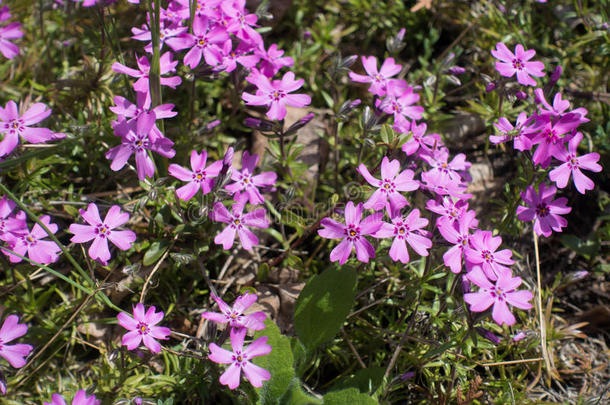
365	380
323	305
297	396
350	396
155	251
278	363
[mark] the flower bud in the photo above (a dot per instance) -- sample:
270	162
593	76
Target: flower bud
556	74
487	334
456	70
491	86
521	95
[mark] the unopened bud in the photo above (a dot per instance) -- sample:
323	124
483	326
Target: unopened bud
299	124
456	70
491	86
521	95
556	74
487	334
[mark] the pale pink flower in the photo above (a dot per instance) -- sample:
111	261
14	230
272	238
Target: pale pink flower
235	315
199	178
572	166
499	295
518	63
405	230
142	328
80	398
237	223
390	185
249	183
482	251
458	234
239	359
102	231
15	354
377	78
33	244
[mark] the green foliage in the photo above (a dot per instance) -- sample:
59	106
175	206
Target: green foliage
323	305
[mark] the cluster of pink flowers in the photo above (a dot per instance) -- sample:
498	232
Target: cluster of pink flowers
240	356
8	32
552	129
431	170
14	354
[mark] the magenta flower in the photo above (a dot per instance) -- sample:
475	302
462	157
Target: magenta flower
80	398
448	208
510	63
10	225
142	328
390	185
442	185
499	295
235	315
199	178
33	244
405	230
275	94
126	110
458	234
205	41
247	182
481	251
142	84
136	139
442	167
11	330
272	60
239	359
7	33
419	139
543	210
516	133
399	102
12	126
377	78
352	233
550	134
240	23
572	165
238	221
169	34
102	231
242	54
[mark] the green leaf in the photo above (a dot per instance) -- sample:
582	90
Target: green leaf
323	305
155	251
296	396
350	396
278	363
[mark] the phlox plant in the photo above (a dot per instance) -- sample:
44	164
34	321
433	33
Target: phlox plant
326	197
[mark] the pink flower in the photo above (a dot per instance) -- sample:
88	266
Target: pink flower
572	165
240	23
543	210
10	225
499	295
458	234
239	359
275	94
10	31
550	134
238	221
508	132
390	185
352	233
448	209
442	167
405	230
200	178
204	42
142	84
127	111
377	78
136	139
518	63
247	182
235	315
32	243
142	328
399	102
11	330
102	231
80	398
482	251
12	126
168	34
242	54
419	140
272	60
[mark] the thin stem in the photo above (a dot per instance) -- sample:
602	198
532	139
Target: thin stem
543	346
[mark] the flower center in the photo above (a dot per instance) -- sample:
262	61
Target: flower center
201	42
276	95
143	328
352	232
102	230
517	64
29	240
487	256
542	210
497	293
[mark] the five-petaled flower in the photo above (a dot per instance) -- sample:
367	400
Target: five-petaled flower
543	209
518	62
238	221
482	251
276	94
572	166
235	315
33	244
390	185
499	295
247	182
102	231
352	233
405	230
15	354
239	359
377	78
142	328
199	178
